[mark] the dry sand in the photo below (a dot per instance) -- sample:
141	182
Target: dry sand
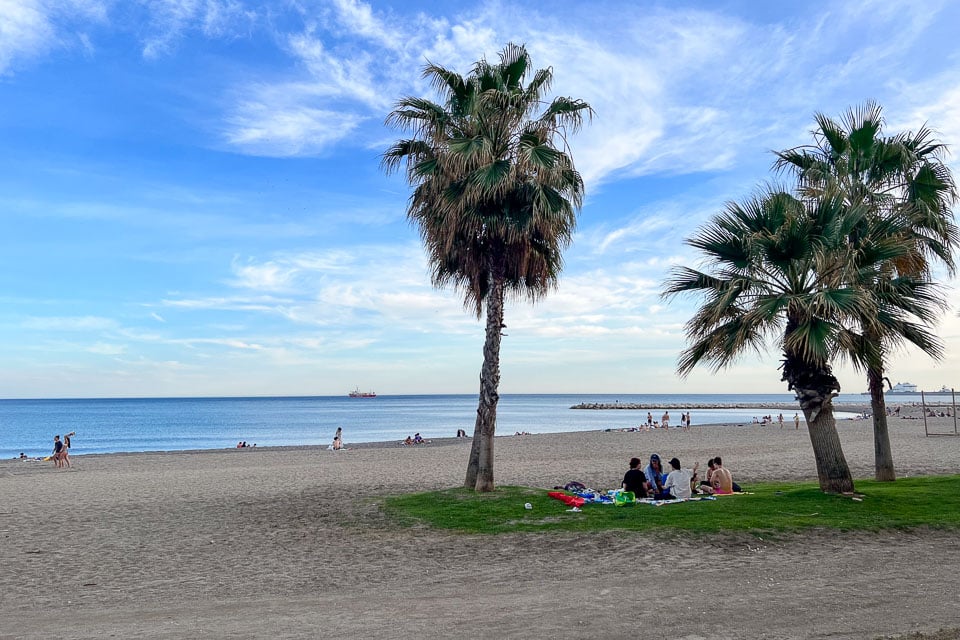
291	543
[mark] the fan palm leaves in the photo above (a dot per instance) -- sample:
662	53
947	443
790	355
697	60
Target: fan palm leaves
908	193
495	197
771	278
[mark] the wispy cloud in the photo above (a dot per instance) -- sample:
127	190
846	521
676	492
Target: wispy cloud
62	324
261	126
29	29
170	20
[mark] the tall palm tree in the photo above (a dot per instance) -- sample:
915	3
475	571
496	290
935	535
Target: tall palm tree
773	275
495	197
897	178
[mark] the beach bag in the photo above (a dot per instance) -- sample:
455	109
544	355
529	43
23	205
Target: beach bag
623	498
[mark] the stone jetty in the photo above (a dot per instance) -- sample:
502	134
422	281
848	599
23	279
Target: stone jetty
683	405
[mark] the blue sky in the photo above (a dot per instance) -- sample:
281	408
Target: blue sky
192	202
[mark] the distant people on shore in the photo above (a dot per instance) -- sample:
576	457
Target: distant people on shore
780	420
57	455
461	433
65	452
416	439
665	420
337	440
796	421
649	419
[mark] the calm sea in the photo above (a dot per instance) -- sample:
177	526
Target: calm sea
176	424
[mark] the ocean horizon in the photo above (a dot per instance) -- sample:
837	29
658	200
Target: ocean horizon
114	425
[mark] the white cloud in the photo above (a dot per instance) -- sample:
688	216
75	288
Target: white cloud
266	277
283	130
25	31
170	20
104	349
360	19
68	323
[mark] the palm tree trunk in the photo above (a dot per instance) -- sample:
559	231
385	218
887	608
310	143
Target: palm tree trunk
815	386
883	454
833	473
480	464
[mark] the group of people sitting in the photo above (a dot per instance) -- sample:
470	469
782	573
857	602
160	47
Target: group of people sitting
677	483
416	439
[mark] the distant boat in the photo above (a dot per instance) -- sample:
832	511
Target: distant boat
944	391
903	387
899	388
356	393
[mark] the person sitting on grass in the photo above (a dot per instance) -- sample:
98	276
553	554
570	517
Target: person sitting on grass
706	485
722	479
634	480
655	478
679	480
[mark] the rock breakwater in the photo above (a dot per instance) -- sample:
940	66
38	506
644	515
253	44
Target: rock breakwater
684	405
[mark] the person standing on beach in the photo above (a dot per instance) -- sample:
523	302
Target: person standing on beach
57	451
780	420
796	420
65	452
665	420
649	419
338	439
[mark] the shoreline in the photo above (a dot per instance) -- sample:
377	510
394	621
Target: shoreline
911	417
909	412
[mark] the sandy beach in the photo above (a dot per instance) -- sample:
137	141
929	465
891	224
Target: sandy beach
291	543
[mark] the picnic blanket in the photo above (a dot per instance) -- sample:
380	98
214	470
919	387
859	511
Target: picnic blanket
586	495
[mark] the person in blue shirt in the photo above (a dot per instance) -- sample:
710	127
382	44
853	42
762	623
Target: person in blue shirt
655	478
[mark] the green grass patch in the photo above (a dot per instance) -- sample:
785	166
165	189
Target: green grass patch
932	501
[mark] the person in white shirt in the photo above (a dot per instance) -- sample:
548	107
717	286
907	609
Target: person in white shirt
679	480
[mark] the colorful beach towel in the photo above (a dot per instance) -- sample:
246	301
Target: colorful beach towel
570	501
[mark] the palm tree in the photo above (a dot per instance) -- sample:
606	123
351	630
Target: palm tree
774	275
495	196
899	178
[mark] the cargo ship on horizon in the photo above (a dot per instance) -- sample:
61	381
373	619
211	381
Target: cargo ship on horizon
356	393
